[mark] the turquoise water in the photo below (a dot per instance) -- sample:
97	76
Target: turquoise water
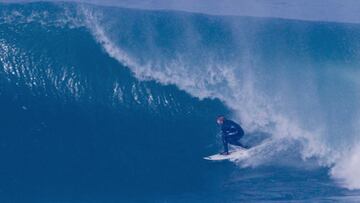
102	104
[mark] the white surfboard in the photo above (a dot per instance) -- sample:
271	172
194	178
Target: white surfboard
233	155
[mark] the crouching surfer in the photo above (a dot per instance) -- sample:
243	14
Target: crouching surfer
231	133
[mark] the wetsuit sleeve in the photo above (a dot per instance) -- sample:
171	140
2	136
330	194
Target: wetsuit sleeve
230	128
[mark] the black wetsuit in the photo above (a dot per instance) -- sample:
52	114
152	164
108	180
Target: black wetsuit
231	134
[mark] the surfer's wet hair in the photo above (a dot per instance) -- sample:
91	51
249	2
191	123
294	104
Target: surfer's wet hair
220	117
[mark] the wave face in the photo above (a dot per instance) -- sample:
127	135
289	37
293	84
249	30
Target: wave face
115	92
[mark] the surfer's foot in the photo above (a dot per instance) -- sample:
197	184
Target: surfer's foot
224	153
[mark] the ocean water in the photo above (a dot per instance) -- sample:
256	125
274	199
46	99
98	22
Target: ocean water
105	104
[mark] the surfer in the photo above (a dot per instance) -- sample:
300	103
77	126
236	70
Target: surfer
231	133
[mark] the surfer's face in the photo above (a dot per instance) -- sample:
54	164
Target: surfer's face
220	121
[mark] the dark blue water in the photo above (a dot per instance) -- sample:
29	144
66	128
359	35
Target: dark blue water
77	125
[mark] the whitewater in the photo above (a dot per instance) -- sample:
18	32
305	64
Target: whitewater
292	84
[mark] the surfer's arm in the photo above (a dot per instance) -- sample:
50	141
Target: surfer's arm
231	130
225	134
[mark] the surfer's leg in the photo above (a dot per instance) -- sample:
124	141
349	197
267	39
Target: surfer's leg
236	141
226	147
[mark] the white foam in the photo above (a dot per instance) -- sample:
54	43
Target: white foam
347	168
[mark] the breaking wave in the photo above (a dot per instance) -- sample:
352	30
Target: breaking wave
297	81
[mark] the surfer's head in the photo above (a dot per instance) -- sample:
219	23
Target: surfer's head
220	120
